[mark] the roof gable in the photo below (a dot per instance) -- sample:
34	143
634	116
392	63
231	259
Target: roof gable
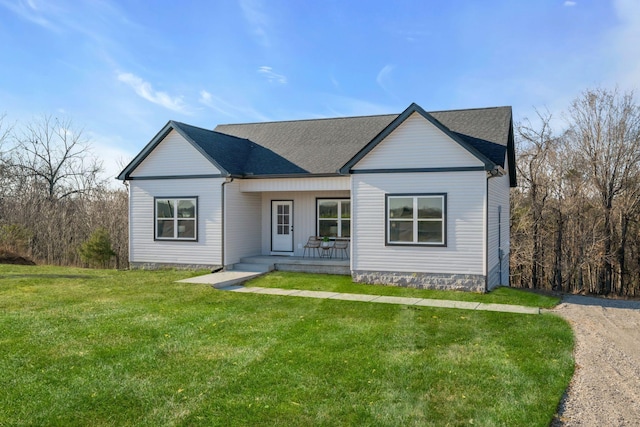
418	145
157	139
415	108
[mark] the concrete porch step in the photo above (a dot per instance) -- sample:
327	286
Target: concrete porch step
223	279
253	267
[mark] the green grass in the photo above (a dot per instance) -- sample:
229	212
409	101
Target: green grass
102	348
322	282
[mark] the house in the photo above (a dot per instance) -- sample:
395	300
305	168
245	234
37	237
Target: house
422	197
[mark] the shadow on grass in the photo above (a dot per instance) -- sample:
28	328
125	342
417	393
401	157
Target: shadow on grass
46	276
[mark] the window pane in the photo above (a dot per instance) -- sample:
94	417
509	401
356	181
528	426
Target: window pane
328	227
165	228
430	231
345	209
285	209
164	208
346	228
186	209
279	209
327	209
400	207
430	207
186	229
401	231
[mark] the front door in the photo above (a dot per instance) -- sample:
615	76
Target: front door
282	225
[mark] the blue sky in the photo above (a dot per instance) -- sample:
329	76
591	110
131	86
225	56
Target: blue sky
122	69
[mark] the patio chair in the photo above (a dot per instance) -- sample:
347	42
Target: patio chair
341	245
312	243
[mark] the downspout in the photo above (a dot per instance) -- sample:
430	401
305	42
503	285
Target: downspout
500	244
486	236
228	180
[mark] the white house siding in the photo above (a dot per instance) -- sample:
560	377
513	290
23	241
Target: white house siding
174	156
304	215
243	220
417	143
461	264
498	234
145	251
296	184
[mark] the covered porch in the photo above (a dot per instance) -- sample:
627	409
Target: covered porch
271	221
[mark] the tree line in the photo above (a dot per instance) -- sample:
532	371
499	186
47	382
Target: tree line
575	218
56	207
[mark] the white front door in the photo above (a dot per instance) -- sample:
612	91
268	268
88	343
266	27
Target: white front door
282	225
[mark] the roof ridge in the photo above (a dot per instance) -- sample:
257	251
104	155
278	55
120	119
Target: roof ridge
470	109
310	120
358	117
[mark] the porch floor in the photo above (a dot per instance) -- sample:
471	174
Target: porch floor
301	264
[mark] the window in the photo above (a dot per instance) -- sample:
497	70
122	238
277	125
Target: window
176	219
334	217
416	219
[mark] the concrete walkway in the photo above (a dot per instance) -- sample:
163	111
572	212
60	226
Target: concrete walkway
232	280
424	302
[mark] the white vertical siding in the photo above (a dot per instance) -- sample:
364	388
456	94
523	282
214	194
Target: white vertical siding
498	234
243	220
417	143
304	215
174	156
143	247
466	201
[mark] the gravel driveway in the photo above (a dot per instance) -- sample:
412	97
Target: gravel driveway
605	389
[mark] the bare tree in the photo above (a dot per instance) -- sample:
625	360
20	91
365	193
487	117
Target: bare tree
50	154
605	126
535	176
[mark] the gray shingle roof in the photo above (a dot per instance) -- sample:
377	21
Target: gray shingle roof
323	146
238	156
318	146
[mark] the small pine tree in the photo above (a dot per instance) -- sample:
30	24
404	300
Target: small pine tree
97	251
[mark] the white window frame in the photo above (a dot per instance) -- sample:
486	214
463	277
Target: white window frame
339	201
415	220
176	219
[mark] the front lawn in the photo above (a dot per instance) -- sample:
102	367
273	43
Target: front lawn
97	347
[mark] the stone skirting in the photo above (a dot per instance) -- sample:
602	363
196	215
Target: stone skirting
314	268
449	282
162	265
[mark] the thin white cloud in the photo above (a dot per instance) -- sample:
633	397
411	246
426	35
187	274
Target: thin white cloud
621	42
570	3
271	76
28	10
258	20
235	111
384	79
345	106
146	91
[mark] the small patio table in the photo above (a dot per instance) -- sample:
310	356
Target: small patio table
327	249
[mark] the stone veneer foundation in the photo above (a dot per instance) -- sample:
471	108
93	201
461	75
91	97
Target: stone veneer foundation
449	282
161	265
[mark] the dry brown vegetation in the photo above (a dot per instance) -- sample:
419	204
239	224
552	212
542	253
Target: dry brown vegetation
53	195
575	223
